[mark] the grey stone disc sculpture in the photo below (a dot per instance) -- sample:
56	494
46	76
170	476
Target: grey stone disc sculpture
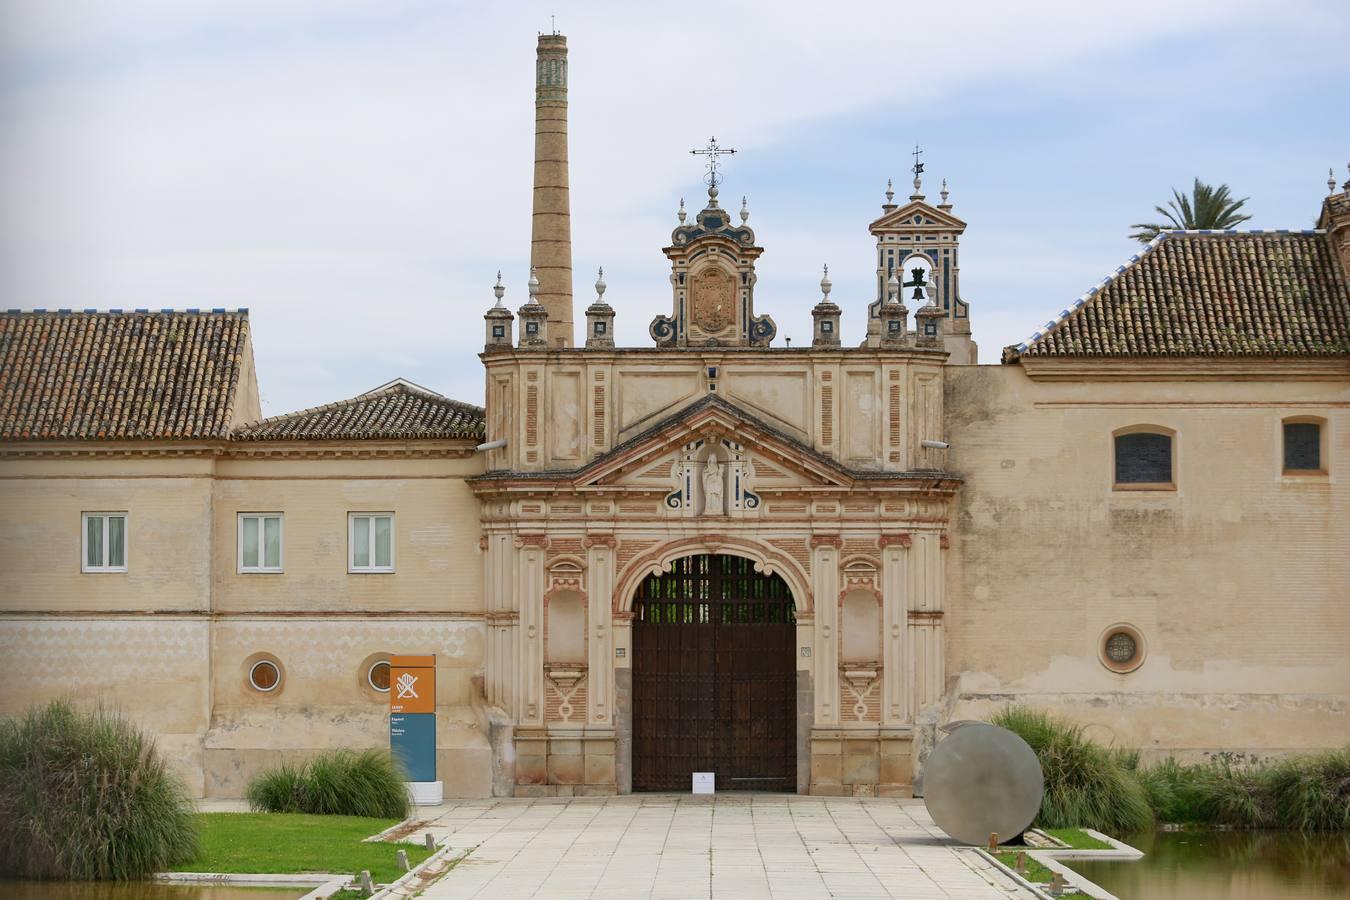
982	780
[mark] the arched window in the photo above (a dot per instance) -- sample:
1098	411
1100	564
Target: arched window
1144	458
1304	438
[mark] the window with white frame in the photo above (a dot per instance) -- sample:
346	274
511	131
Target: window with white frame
370	542
103	542
260	542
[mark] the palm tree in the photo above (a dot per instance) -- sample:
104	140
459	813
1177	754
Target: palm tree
1207	207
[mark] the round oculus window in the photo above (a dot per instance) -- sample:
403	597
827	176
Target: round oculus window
264	675
1122	648
378	676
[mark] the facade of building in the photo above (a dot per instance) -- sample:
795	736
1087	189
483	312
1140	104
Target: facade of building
789	566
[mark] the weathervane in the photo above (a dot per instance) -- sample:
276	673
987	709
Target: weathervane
918	166
712	151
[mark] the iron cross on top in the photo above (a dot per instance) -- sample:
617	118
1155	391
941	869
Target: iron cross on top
918	166
712	151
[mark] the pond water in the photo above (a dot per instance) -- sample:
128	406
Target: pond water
141	890
1228	865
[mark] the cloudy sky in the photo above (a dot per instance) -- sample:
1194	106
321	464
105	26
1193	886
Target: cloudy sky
356	172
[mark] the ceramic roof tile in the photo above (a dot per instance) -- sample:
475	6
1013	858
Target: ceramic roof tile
1210	294
396	412
70	375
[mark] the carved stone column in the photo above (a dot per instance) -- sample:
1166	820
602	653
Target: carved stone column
895	553
531	668
825	587
600	643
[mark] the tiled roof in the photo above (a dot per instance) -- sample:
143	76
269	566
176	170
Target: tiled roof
1196	293
71	375
398	411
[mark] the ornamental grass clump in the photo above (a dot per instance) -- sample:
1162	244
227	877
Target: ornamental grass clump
1086	785
85	795
337	783
1312	793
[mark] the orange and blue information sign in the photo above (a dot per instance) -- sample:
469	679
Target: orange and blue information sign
412	715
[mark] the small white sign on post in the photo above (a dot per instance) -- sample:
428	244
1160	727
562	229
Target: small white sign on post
704	783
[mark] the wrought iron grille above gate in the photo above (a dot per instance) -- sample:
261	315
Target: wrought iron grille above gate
714	677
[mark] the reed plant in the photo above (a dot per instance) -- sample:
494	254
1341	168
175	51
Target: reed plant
1086	785
85	795
338	782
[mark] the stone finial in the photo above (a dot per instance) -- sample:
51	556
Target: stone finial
1346	186
600	318
533	317
826	316
893	288
1331	181
498	320
682	215
943	193
745	211
890	193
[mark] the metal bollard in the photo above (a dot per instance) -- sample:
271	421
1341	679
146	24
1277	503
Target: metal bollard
401	857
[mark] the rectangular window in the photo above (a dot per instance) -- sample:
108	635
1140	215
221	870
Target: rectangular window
1144	459
104	542
1302	447
260	542
370	541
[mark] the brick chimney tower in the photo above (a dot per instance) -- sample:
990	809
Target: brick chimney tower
551	231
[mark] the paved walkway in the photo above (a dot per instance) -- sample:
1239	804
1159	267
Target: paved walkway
683	847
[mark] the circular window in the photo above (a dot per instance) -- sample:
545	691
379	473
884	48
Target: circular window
1122	648
378	676
264	675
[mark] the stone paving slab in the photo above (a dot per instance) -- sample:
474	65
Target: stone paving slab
677	846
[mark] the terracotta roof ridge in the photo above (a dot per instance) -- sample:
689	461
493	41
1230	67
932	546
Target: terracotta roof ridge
121	311
1013	351
359	399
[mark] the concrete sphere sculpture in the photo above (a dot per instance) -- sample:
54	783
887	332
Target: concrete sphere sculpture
983	780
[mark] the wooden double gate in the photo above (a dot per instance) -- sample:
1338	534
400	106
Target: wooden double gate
714	677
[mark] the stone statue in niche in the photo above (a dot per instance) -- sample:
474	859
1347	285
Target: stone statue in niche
712	487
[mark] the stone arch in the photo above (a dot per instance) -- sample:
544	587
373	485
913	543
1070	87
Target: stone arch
766	559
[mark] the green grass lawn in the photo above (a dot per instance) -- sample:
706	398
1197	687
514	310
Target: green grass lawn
292	843
1077	838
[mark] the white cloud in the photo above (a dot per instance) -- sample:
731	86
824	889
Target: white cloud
356	172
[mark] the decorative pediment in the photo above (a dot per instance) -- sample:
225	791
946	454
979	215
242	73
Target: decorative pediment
708	446
919	216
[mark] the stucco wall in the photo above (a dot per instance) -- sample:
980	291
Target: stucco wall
1239	580
169	642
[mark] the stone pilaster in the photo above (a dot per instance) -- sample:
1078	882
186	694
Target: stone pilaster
895	553
531	585
600	646
825	587
924	620
503	618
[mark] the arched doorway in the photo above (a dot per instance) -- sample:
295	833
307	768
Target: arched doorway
714	678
